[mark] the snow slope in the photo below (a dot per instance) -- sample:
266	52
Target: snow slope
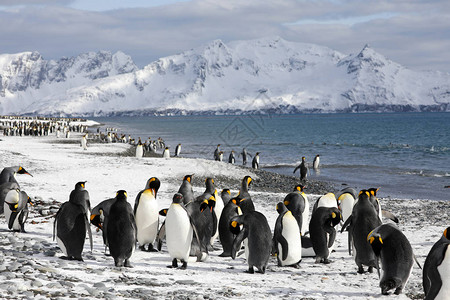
268	74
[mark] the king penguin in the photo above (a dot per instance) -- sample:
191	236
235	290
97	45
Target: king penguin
296	202
259	239
84	141
71	223
166	153
322	232
139	149
217	152
286	237
178	150
121	230
316	162
363	220
255	161
8	182
244	199
436	271
231	158
186	189
393	248
99	217
146	213
303	169
225	235
16	209
179	232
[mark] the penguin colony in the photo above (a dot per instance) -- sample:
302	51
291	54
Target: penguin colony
191	224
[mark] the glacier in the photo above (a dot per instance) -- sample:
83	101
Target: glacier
267	75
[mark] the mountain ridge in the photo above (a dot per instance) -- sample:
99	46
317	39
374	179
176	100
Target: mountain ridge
268	75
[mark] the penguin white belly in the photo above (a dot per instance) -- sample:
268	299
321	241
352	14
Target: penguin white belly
328	200
139	151
347	202
218	211
246	250
316	163
291	232
178	232
444	272
166	154
59	241
84	143
147	220
305	215
7	212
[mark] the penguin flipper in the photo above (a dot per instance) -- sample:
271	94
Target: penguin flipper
389	215
284	246
136	202
347	223
377	265
88	225
237	242
433	276
332	232
12	218
160	236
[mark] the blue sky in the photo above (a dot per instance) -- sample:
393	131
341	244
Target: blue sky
413	33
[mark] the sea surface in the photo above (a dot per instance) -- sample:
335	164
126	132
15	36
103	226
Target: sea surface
406	155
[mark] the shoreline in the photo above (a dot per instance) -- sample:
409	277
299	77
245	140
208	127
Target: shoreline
32	268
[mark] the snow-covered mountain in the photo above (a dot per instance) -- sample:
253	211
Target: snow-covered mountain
268	74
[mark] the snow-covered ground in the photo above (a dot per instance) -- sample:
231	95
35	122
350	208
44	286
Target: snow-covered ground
30	265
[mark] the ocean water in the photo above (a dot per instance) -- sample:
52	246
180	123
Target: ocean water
406	155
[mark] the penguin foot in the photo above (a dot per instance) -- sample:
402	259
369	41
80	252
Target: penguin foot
325	261
174	264
127	264
225	254
142	248
398	291
151	248
184	265
250	270
370	269
360	270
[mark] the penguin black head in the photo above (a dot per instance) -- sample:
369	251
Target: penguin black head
235	226
154	184
121	195
188	177
247	180
299	188
23	171
281	208
163	212
373	191
177	198
364	194
95	220
235	201
204	205
376	242
226	191
447	233
212	202
80	185
336	216
303	158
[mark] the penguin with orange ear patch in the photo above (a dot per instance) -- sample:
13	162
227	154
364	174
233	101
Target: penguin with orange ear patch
322	232
256	232
226	237
393	248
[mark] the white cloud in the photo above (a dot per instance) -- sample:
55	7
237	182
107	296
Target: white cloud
414	33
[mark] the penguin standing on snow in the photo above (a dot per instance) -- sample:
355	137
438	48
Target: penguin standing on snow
139	149
297	203
71	223
363	220
303	169
179	232
231	158
16	209
186	189
436	271
243	199
393	248
121	230
286	238
244	154
146	214
99	217
255	161
84	141
8	182
217	152
226	237
178	150
226	196
259	239
322	232
166	153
